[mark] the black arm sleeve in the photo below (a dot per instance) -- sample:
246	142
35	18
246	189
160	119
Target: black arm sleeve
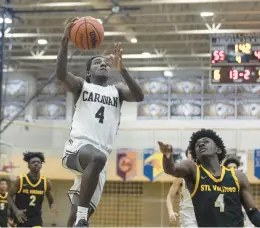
254	216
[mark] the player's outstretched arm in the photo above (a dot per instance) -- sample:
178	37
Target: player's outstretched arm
174	189
72	83
247	199
133	92
183	169
50	197
21	217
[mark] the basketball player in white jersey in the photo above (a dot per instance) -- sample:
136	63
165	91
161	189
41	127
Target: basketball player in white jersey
186	212
95	123
232	162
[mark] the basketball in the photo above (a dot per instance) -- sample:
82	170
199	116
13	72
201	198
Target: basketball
87	33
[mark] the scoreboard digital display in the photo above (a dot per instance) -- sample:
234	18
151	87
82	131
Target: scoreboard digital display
235	59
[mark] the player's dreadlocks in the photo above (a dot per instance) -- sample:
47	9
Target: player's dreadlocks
88	66
232	159
209	134
27	156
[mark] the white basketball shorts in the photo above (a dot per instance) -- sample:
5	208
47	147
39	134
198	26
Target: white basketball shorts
188	221
72	146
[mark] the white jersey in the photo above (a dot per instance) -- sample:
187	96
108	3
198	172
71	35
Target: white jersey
187	215
97	114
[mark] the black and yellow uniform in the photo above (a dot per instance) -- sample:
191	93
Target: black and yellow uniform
30	197
216	200
3	210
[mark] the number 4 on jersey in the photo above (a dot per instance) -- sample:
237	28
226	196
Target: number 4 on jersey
220	203
100	114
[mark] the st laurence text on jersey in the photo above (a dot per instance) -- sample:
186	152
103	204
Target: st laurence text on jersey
208	188
95	97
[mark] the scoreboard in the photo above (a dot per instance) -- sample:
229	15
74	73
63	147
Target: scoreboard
235	59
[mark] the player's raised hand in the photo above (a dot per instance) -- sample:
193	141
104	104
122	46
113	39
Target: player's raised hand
116	57
68	26
166	149
173	217
20	215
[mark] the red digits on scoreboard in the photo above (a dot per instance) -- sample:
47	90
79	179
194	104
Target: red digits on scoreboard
247	74
257	54
222	55
218	55
233	74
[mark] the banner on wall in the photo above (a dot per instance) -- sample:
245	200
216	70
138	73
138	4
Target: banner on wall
11	108
257	163
248	109
15	97
16	89
53	89
153	110
153	167
220	109
154	86
189	109
50	110
214	90
51	102
196	98
181	86
126	163
250	89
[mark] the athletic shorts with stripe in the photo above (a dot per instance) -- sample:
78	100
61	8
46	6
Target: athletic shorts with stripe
70	161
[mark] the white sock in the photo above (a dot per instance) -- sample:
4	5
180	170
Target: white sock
82	213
